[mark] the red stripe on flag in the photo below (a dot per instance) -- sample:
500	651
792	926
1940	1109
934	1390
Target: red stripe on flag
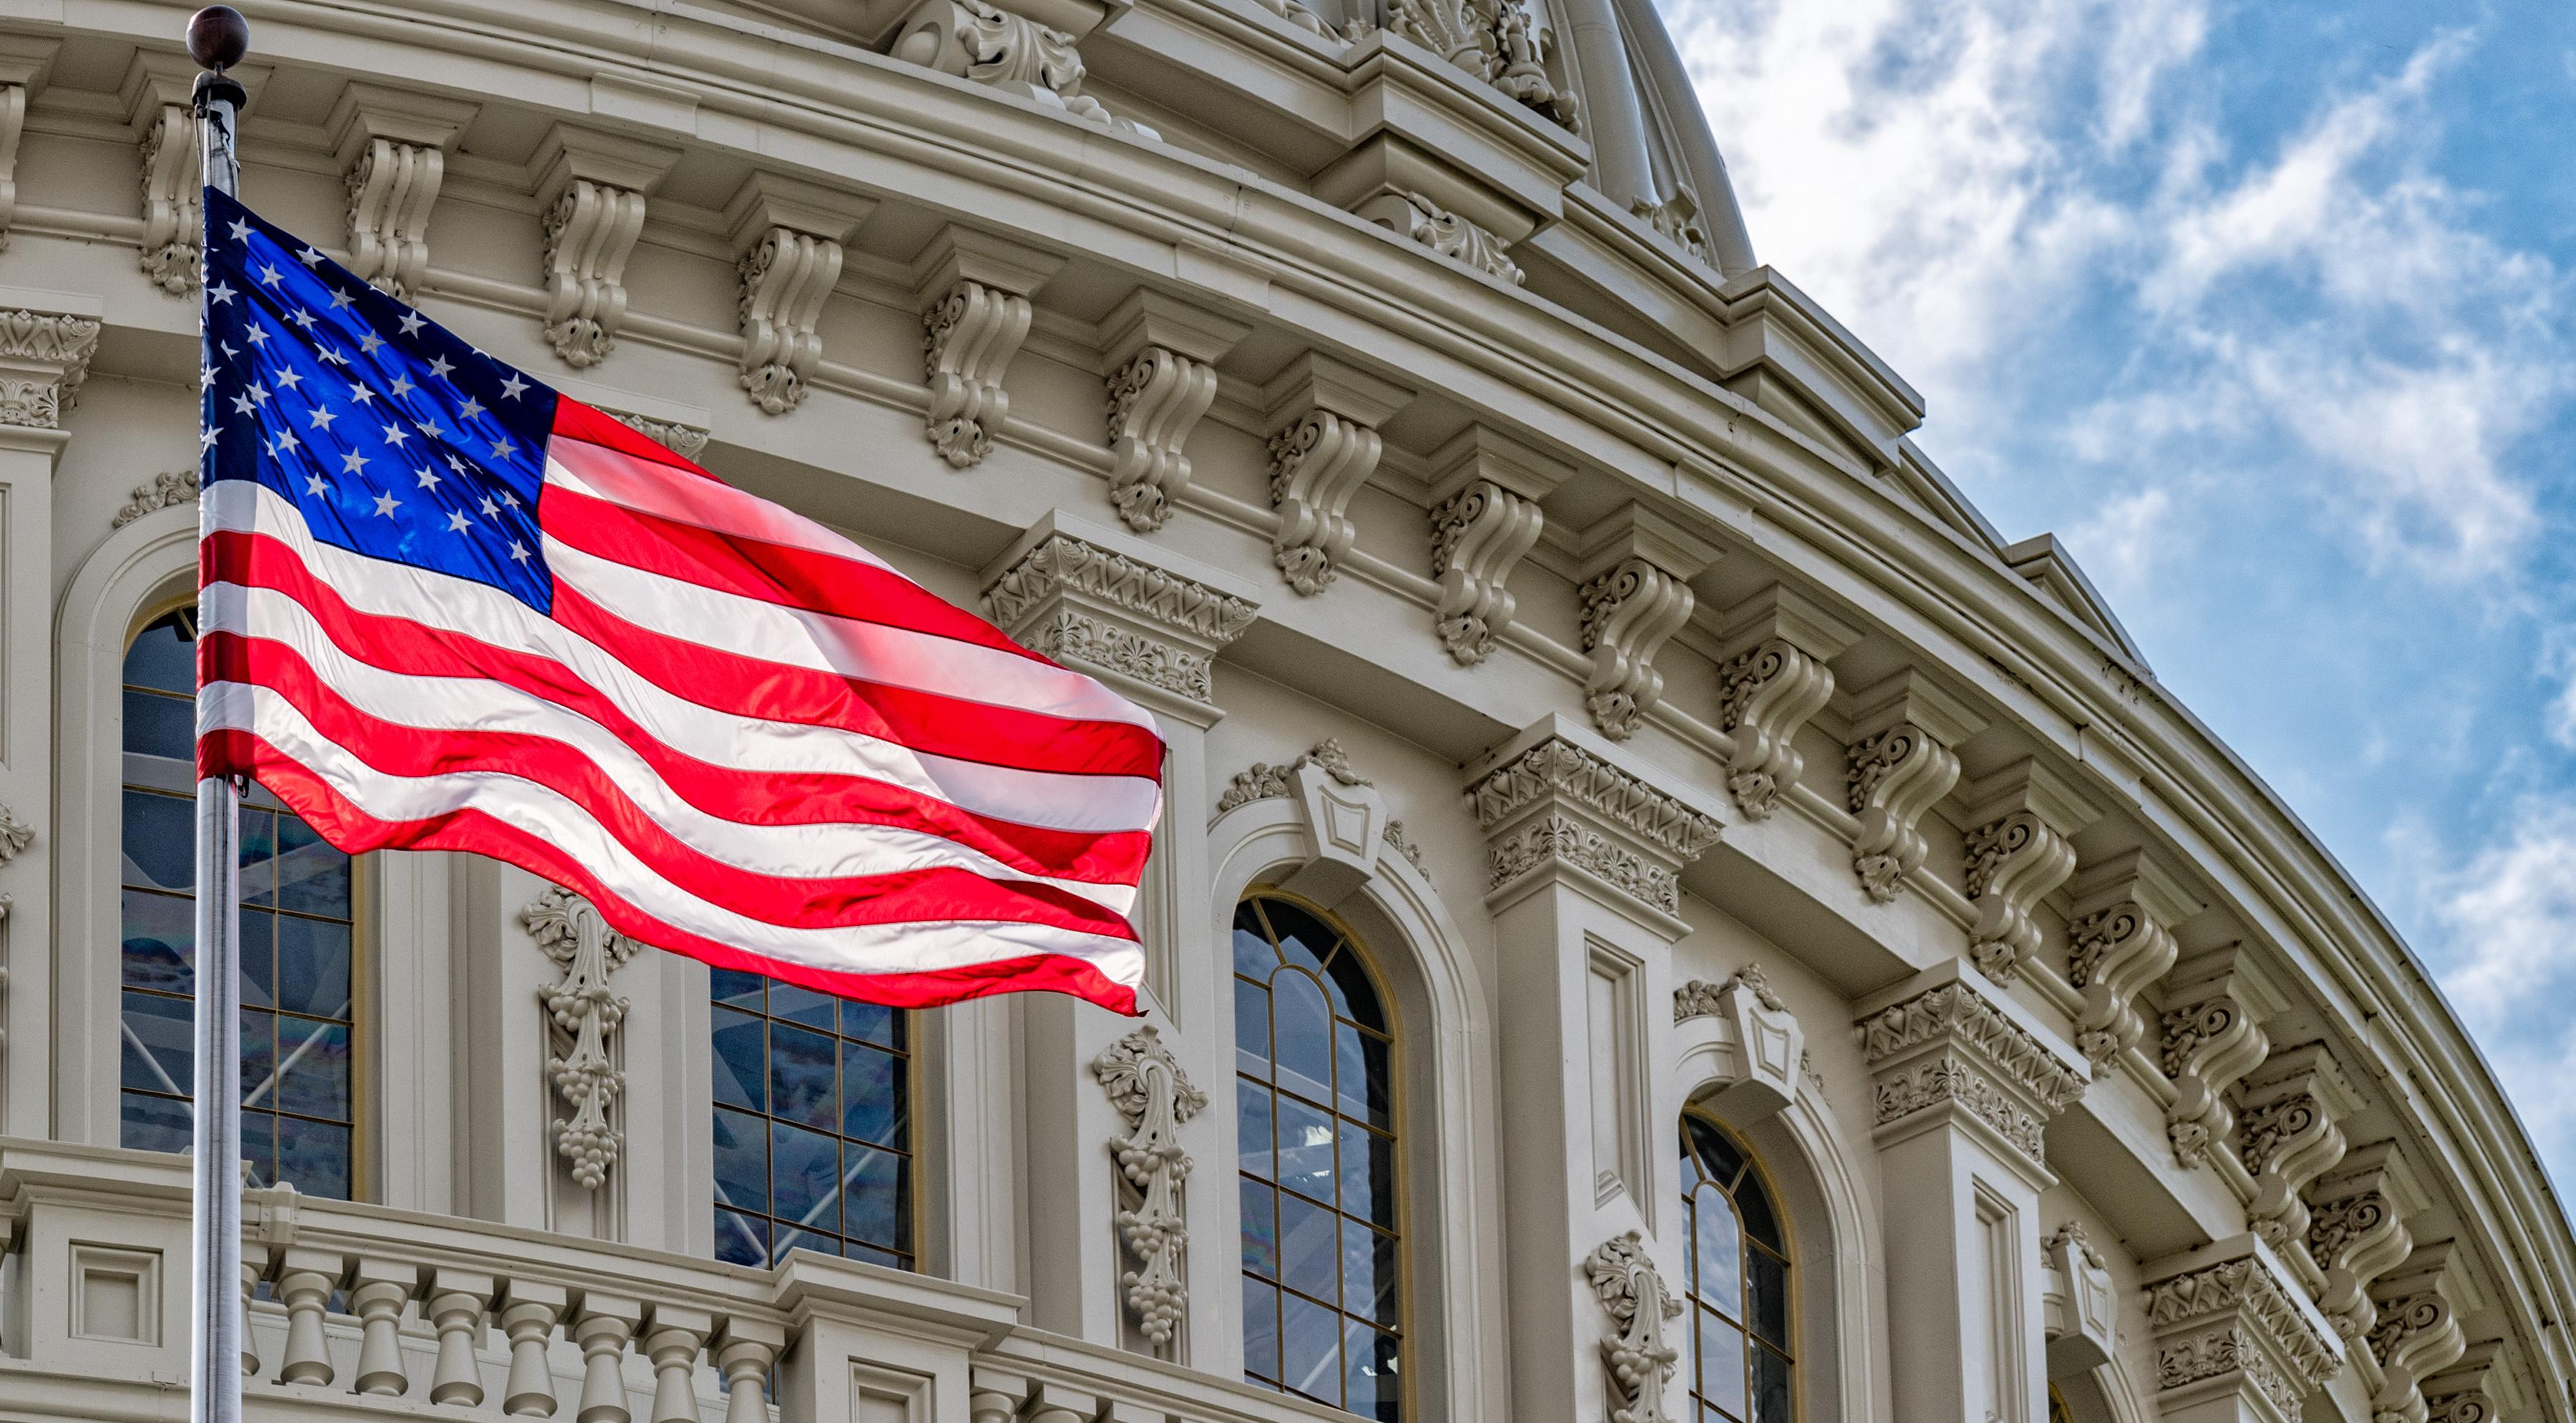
576	421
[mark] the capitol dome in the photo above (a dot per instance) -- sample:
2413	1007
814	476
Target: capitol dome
1662	914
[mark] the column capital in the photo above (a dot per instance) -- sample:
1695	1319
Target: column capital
46	341
2232	1328
1948	1047
1551	806
1099	601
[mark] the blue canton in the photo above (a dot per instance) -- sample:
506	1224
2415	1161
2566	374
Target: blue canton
394	438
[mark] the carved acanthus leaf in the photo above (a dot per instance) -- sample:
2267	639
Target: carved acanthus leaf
1151	1092
1894	776
2357	1232
44	358
1559	770
2417	1333
1950	1044
1403	845
1265	781
1700	998
2243	1308
990	45
1417	218
2287	1135
1677	217
1080	603
1478	535
686	441
173	487
15	834
1506	43
586	1015
1633	1347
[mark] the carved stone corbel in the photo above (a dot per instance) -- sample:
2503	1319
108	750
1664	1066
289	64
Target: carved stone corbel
1154	1095
2357	1214
1556	809
591	187
1772	677
973	290
2079	1307
1324	445
1758	1047
2287	1134
2215	1003
787	239
1162	355
1633	1348
2119	940
2230	1326
392	150
1142	628
1677	217
2477	1389
165	130
1416	218
991	44
1506	43
1951	1048
1485	488
173	487
586	1016
44	357
2020	822
2417	1334
1635	588
1899	763
23	72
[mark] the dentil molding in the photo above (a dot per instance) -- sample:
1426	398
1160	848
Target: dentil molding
1633	1348
586	1015
1151	1092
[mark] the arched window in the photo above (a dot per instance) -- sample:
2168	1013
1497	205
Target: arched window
813	1124
1739	1282
298	1117
1315	1134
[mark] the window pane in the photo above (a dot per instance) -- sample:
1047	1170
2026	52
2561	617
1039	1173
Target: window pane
1770	1387
1251	1029
1252	1111
1721	1363
873	1023
874	1099
1260	1332
259	857
312	878
1260	1229
160	942
1368	1273
1310	1348
1759	1221
1309	1246
804	1177
155	1123
1714	1155
1354	995
741	1239
160	840
1766	1281
259	958
162	658
314	1156
876	1202
1305	1149
1368	1175
742	1160
312	966
1717	1247
1253	956
801	1076
160	726
802	1005
741	1061
1359	1369
1302	1036
812	1123
160	1044
313	1068
1302	941
737	990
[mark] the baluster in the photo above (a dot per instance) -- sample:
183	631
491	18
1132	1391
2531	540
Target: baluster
671	1341
254	1263
382	1288
744	1351
529	1317
306	1281
457	1299
602	1325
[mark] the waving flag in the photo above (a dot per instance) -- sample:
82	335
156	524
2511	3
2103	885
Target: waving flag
447	608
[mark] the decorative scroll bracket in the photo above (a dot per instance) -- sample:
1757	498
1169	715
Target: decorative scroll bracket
1484	517
973	290
1774	676
1162	356
787	239
1324	445
2020	822
1635	591
1900	763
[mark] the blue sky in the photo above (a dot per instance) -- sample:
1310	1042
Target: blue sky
2268	311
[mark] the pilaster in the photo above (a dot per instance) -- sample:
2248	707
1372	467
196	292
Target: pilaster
1773	676
1485	488
1635	592
2020	824
591	186
1161	354
973	289
2236	1340
1966	1084
787	236
392	150
1324	445
1900	760
1585	851
46	340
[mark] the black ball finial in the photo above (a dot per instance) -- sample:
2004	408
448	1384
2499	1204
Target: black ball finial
218	37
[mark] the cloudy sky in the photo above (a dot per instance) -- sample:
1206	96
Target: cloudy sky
2269	311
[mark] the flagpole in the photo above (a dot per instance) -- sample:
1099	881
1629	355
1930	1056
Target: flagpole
218	37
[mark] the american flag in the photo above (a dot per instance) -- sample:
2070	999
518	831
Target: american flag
446	608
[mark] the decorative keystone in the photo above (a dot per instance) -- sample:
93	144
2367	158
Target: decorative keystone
1772	676
973	290
787	237
1485	488
1633	1347
586	1016
44	357
1948	1047
2357	1215
392	148
2079	1306
1154	1096
2417	1334
2215	1003
2229	1324
1116	615
1324	445
1556	808
591	186
1635	589
2120	940
2287	1135
2020	822
1754	1041
1013	53
1162	356
1901	761
1345	817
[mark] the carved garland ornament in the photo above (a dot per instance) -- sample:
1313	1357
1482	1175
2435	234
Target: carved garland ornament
586	1016
175	487
15	836
1154	1095
1640	1362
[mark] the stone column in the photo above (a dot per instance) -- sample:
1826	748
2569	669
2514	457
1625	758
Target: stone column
45	343
1583	866
2236	1340
1149	624
1967	1082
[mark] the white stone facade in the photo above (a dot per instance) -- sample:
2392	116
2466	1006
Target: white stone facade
1528	582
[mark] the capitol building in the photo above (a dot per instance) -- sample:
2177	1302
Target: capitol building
1662	913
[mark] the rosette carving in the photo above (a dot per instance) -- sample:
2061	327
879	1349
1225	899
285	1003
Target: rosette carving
585	1014
1149	1089
1633	1348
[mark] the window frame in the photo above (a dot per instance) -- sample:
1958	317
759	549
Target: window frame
1408	1354
1794	1353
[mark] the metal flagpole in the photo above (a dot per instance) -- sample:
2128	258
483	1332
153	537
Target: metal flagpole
218	37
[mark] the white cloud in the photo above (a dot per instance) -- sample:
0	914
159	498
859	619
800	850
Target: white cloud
2506	928
2121	545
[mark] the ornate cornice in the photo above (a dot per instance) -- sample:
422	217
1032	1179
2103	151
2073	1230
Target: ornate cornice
1083	604
2238	1317
44	357
1557	770
1951	1044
